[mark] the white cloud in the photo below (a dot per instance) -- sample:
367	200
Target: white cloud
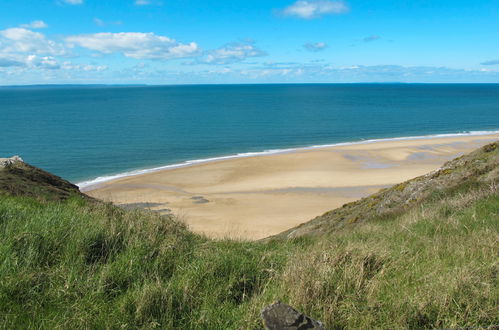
135	45
73	2
315	47
309	9
23	47
47	62
35	25
232	53
303	72
276	72
20	47
84	67
21	40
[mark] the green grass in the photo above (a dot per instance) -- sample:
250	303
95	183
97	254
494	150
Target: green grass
77	264
432	267
423	254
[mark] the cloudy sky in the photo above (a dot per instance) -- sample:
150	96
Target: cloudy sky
257	41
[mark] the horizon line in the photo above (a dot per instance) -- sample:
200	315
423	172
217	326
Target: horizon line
247	84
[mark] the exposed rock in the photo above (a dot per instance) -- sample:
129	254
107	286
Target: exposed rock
9	161
279	316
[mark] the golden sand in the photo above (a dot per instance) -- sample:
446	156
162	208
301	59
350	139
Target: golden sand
255	197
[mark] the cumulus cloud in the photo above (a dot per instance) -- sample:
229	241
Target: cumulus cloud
492	62
232	53
21	40
35	25
315	47
371	38
23	47
135	45
309	9
26	49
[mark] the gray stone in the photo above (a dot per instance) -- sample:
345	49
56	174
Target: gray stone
279	316
9	161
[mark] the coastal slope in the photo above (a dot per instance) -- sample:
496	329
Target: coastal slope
477	169
424	257
22	179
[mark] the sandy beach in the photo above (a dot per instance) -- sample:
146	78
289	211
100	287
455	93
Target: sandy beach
254	197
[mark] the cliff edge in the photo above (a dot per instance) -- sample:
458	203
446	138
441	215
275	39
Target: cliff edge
18	178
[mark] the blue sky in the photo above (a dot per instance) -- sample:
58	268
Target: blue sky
295	41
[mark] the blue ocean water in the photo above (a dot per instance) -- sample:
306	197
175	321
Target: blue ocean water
82	132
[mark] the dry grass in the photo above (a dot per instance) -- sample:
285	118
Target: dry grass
435	266
74	263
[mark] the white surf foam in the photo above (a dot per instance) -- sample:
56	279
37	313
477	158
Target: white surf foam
86	185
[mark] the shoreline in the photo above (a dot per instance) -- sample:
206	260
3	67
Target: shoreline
93	184
255	197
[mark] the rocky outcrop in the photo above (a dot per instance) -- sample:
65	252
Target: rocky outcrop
279	316
9	161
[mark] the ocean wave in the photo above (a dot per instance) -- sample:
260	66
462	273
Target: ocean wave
86	185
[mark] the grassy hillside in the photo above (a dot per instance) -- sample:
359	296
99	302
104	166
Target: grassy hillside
420	254
21	179
476	170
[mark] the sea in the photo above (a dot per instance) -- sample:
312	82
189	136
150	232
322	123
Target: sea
88	134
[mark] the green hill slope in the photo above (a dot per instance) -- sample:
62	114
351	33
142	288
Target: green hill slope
422	254
475	170
20	179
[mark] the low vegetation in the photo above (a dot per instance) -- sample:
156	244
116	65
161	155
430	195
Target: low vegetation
72	262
